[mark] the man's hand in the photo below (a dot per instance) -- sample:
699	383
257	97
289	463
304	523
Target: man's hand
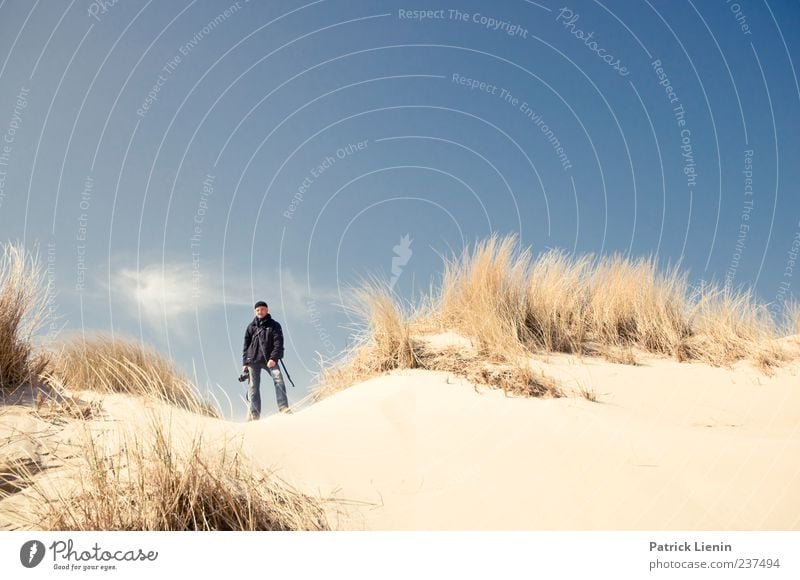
271	363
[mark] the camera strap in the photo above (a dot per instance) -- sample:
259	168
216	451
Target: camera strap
288	376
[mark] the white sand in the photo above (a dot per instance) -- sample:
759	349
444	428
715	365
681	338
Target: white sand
667	446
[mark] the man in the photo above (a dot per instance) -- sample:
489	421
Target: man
263	348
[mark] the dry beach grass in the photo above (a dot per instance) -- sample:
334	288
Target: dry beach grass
512	306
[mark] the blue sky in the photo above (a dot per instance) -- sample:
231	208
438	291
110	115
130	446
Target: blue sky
175	162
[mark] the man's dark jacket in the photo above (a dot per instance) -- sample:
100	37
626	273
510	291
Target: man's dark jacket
263	340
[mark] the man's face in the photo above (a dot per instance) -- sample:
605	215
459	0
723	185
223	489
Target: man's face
261	311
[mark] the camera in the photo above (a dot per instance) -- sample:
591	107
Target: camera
244	376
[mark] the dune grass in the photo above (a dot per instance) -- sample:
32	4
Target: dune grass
384	344
390	339
154	485
148	479
114	364
511	305
579	304
584	304
24	304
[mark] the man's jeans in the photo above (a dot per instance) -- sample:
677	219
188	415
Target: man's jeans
254	391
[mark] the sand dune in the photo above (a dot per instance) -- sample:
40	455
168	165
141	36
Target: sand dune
667	445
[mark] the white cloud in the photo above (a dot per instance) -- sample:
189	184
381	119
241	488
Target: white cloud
164	293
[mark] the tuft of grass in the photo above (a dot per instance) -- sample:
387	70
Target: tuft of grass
381	343
728	326
622	355
388	330
631	303
499	296
387	339
483	295
556	309
74	469
588	393
25	300
156	487
510	305
148	482
109	364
